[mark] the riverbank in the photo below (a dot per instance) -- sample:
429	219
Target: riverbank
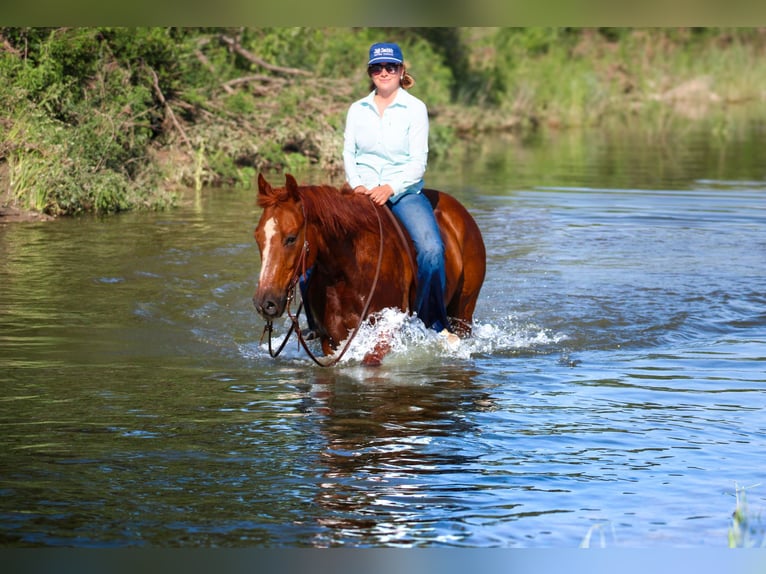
105	120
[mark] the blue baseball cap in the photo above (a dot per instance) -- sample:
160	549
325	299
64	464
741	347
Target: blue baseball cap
383	52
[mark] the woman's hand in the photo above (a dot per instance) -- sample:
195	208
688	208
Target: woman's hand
381	193
378	195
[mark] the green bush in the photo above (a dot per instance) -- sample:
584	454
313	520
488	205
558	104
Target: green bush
82	101
105	119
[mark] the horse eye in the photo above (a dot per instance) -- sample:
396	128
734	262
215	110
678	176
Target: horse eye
290	240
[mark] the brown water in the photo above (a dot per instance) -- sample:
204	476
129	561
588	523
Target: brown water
614	387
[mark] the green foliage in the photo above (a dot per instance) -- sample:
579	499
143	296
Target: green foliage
325	52
240	103
441	137
106	119
84	103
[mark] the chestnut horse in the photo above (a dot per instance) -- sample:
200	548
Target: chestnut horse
360	258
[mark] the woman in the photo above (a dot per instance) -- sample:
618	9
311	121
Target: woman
385	153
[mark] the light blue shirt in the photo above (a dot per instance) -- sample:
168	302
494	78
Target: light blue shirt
392	148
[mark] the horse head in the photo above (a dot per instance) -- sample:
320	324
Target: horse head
281	238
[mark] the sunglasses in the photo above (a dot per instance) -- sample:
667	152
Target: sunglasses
376	69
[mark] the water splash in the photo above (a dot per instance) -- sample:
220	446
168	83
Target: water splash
411	341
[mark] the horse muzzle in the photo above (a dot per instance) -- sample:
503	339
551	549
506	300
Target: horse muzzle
269	306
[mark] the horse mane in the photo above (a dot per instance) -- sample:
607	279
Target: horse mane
339	212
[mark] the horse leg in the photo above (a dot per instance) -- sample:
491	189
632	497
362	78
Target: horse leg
461	307
382	347
466	268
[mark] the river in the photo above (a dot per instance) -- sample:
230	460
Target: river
613	393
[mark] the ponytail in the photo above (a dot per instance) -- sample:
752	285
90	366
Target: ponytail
407	81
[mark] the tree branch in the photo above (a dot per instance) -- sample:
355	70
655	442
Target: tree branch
169	110
235	47
248	79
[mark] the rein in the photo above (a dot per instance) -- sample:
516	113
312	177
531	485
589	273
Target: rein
300	271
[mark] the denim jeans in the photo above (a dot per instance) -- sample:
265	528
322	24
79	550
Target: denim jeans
415	213
303	285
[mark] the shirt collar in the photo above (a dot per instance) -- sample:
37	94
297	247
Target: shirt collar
399	100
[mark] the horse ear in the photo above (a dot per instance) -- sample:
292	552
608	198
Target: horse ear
291	186
263	186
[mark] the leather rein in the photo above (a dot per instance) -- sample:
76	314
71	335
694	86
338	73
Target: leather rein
300	271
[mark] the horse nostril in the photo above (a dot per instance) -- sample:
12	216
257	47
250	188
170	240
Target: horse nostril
267	307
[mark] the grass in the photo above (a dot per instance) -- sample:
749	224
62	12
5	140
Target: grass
600	530
747	529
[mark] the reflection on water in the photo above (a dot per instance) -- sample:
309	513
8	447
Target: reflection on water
384	451
614	380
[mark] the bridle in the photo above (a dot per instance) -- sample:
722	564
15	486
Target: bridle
300	271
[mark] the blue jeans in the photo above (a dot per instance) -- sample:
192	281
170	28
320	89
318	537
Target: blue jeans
303	285
415	213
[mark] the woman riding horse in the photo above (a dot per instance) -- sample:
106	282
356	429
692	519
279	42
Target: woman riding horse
385	153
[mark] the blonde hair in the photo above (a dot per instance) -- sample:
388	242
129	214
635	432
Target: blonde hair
406	81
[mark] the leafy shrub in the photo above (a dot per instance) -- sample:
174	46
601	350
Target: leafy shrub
87	112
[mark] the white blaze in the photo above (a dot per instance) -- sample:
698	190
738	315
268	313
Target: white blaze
270	231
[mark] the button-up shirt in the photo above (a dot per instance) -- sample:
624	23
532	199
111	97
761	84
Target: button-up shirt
387	149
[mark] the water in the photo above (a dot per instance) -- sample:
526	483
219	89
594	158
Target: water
613	392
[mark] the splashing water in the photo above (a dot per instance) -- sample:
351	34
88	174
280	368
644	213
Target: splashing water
410	340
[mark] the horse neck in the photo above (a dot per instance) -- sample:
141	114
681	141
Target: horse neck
340	240
334	251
